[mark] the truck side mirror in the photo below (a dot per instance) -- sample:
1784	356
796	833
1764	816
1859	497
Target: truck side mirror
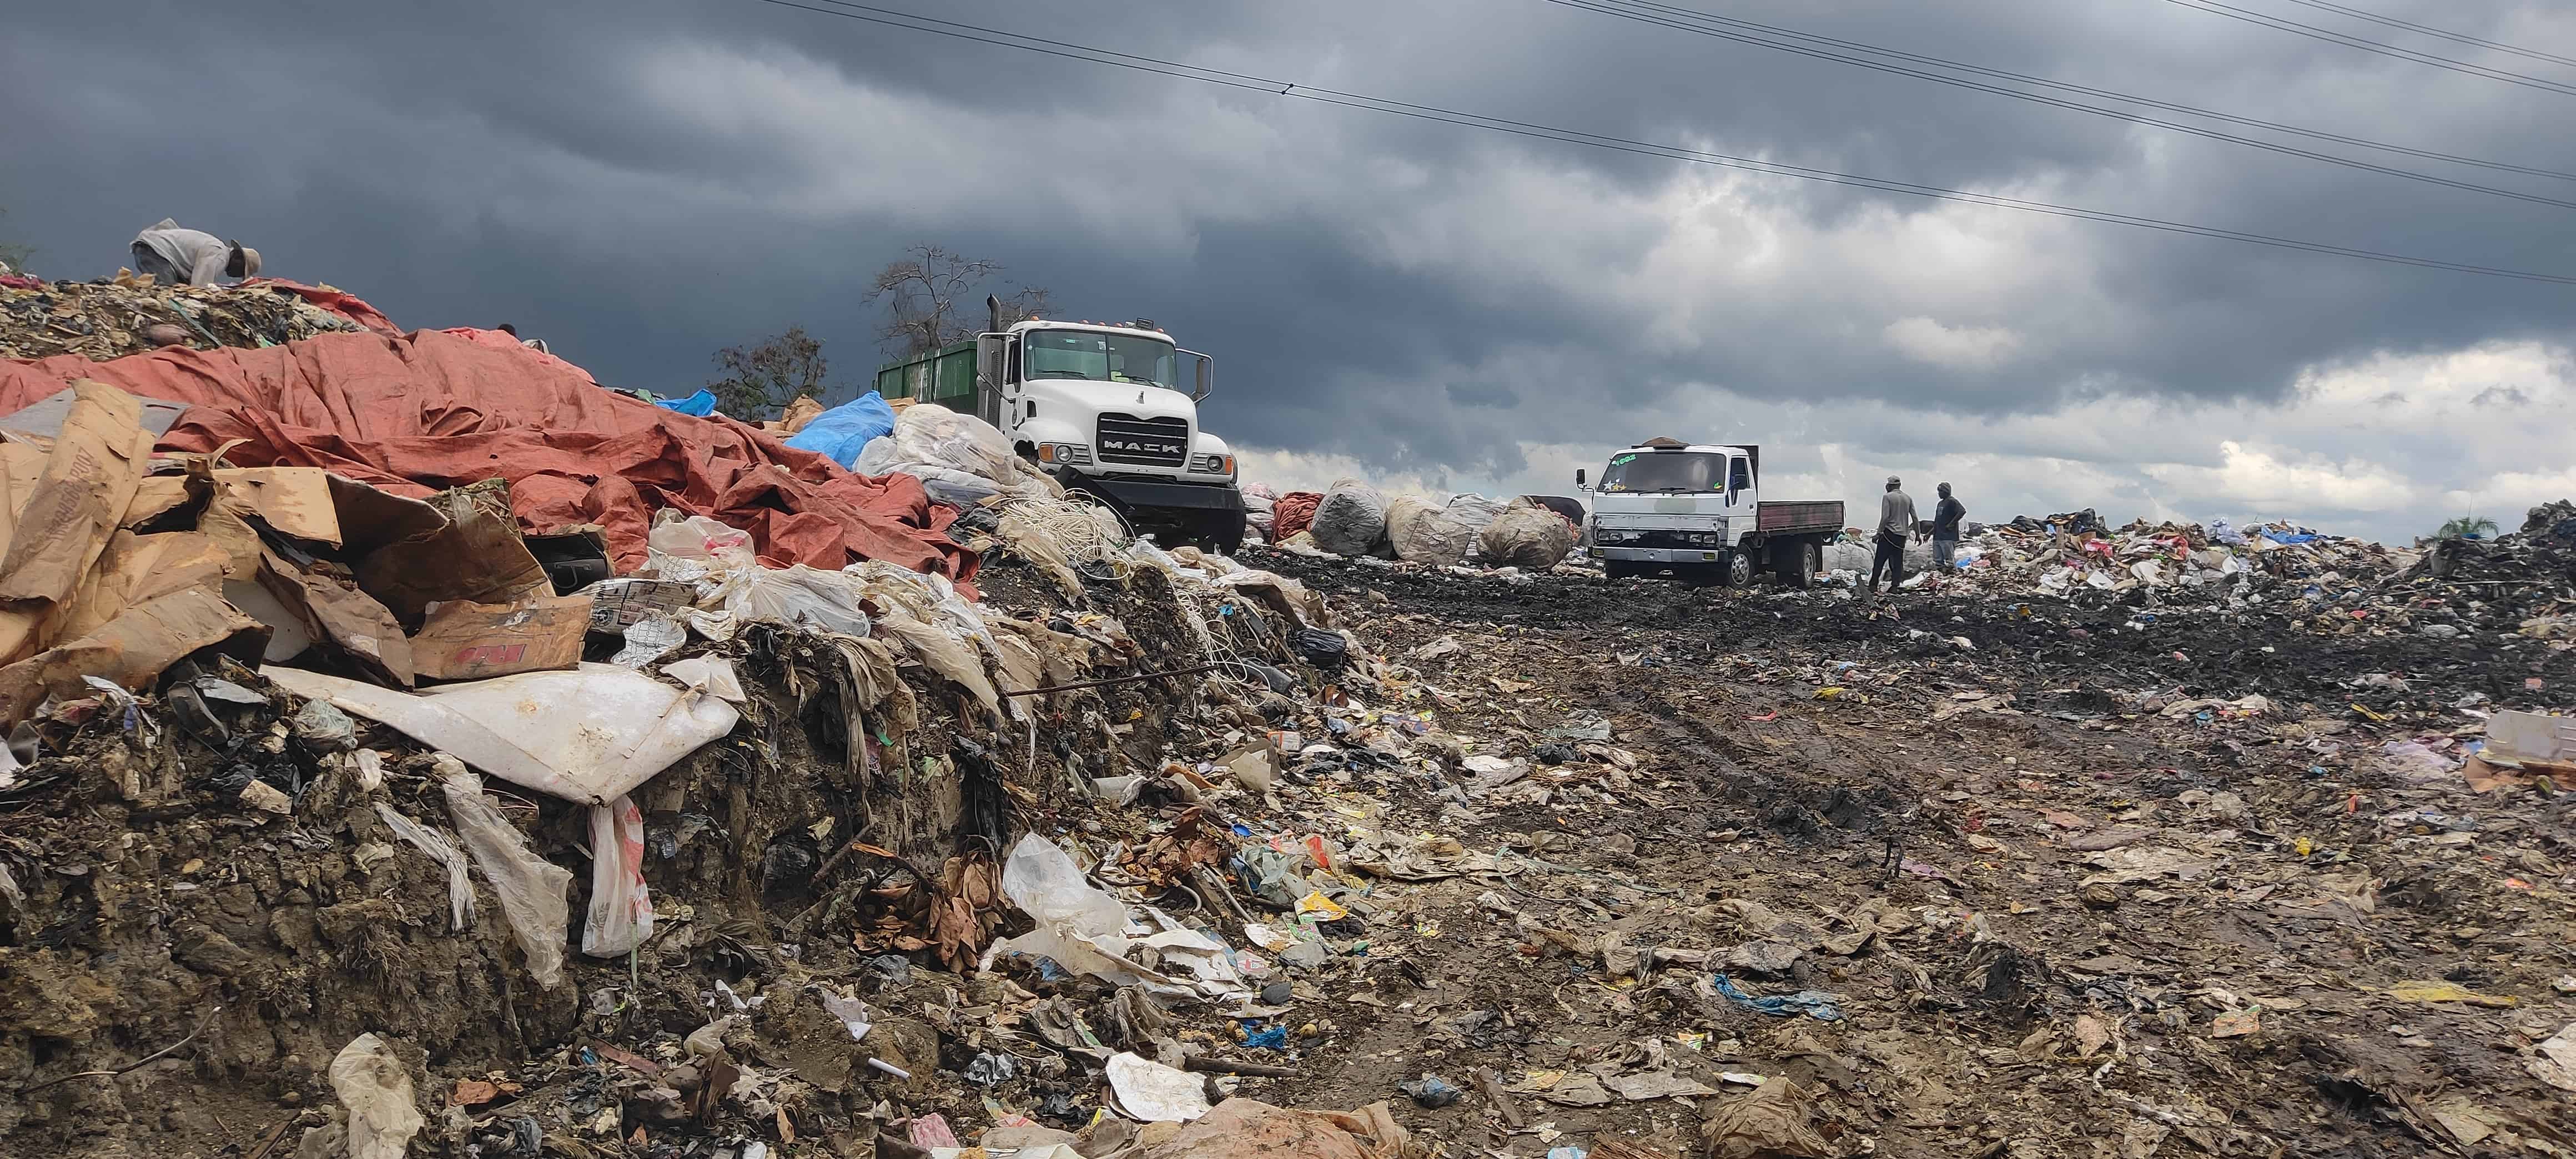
991	368
1578	476
1206	376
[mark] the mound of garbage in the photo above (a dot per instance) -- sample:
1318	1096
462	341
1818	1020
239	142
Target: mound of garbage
360	797
2078	558
131	315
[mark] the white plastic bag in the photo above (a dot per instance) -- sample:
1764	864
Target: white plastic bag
796	595
712	675
1043	881
700	538
621	911
376	1088
530	887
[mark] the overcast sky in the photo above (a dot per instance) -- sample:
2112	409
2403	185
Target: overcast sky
644	181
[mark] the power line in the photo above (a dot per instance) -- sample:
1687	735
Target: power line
2428	30
892	18
2088	90
2214	8
1613	8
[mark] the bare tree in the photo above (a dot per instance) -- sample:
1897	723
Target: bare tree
763	378
931	296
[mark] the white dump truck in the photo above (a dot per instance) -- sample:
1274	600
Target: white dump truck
1109	409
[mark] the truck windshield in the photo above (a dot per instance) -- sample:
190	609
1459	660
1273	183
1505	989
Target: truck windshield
1101	357
1665	471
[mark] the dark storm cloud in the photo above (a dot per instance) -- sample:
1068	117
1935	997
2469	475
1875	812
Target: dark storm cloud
644	182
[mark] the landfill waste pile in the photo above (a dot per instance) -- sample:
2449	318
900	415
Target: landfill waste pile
131	315
358	804
2078	559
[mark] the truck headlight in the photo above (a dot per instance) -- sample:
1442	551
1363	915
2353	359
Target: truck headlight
1213	464
1065	454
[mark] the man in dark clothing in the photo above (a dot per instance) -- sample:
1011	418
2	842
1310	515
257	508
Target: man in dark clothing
1945	531
1895	526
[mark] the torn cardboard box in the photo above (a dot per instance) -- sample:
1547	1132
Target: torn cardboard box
89	479
464	640
473	553
331	611
132	650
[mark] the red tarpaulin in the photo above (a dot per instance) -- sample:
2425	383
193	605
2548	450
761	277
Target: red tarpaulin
431	410
340	302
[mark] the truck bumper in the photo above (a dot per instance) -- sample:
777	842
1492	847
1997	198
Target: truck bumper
1145	495
1667	556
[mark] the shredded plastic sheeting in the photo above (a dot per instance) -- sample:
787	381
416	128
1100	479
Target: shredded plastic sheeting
460	887
961	458
530	887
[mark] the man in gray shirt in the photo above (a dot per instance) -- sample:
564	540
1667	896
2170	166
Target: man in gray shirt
1895	526
191	257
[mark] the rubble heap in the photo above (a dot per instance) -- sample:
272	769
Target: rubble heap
2078	559
131	315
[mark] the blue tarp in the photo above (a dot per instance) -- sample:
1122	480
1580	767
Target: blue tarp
2291	536
700	404
842	430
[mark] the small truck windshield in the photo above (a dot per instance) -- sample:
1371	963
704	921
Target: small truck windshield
1633	471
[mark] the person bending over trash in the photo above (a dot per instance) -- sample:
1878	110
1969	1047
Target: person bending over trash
192	257
1895	526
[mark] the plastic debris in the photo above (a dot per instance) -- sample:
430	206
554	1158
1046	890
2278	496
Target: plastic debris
1814	1004
1432	1091
376	1089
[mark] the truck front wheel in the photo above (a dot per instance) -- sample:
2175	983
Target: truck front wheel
1737	569
1222	532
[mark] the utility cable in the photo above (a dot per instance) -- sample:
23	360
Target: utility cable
2429	30
1756	27
1026	43
2312	32
1608	8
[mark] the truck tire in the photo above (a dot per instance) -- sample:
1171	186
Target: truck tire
1223	533
1736	570
1619	569
1797	562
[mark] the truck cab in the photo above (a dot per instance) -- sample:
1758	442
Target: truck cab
1696	510
1110	410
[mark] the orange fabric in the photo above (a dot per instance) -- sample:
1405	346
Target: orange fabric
340	302
430	410
1292	513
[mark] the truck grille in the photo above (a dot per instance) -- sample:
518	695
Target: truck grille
1125	438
